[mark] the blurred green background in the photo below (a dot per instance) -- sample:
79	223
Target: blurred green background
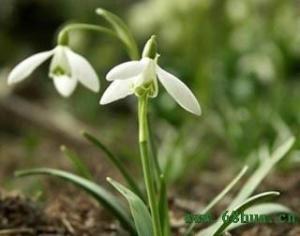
241	59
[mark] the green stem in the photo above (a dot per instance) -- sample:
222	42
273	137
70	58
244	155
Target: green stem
146	163
63	34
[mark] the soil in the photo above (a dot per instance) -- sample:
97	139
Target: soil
81	216
22	216
45	206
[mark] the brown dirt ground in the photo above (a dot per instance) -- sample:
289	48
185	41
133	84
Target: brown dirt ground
81	216
64	210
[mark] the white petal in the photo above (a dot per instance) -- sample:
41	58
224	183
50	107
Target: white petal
126	70
179	91
26	67
65	85
60	61
148	74
83	71
118	89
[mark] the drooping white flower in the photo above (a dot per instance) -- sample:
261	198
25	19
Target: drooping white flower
133	76
67	68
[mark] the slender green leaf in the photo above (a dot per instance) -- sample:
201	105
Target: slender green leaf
79	166
105	198
254	180
225	190
262	209
139	210
262	171
116	161
153	153
121	30
163	207
256	199
220	196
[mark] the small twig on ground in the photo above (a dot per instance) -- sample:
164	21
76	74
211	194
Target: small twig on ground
68	225
16	231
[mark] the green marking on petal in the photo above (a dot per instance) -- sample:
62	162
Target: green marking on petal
58	71
149	89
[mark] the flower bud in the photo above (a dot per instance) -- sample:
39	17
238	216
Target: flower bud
150	48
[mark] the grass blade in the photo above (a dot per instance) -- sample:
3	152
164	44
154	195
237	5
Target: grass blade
254	180
219	196
256	199
105	198
79	166
139	210
122	31
153	153
117	163
262	171
163	208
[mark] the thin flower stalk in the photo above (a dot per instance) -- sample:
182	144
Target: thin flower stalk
146	163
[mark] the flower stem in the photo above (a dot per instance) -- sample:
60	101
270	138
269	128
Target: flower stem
63	34
63	38
146	163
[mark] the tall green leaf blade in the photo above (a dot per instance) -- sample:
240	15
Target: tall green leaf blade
105	198
163	207
77	163
256	199
117	163
153	153
262	171
121	30
220	196
139	210
254	180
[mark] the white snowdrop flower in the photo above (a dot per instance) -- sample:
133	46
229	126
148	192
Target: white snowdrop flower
67	68
135	77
